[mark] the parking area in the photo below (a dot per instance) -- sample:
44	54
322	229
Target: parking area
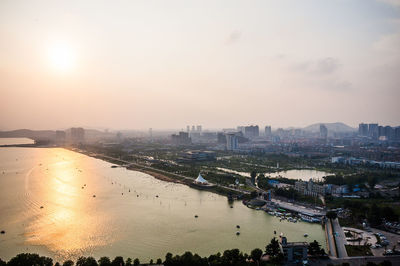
390	240
377	239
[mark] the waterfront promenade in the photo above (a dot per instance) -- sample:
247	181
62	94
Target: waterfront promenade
185	179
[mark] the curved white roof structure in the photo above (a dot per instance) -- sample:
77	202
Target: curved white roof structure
201	180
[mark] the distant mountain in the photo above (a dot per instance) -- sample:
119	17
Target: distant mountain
27	133
332	127
90	134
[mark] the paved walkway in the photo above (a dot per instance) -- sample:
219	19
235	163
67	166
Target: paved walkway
128	163
340	239
329	238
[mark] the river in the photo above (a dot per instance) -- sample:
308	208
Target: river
47	206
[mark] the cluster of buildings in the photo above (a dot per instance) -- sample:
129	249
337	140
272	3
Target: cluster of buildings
182	138
196	156
76	135
377	132
356	161
309	188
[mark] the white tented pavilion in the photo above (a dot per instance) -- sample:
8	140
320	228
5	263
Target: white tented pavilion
201	180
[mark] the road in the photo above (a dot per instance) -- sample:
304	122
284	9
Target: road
339	238
329	238
355	261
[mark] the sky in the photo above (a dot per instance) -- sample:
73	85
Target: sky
219	64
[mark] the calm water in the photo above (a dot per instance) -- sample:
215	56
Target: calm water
136	224
15	141
302	174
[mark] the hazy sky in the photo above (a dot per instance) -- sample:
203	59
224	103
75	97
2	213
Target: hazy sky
168	64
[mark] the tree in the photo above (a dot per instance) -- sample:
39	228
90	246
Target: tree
256	254
253	175
2	263
89	261
372	180
159	261
118	261
151	262
331	215
314	248
68	263
136	262
30	259
273	249
128	262
104	261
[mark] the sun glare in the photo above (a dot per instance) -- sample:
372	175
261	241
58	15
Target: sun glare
62	57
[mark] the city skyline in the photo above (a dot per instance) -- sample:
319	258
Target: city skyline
135	65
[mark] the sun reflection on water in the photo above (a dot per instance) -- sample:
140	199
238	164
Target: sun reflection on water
65	225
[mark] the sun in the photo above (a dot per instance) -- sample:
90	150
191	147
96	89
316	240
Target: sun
62	56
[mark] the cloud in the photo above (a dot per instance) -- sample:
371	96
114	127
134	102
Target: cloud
388	43
326	66
233	37
323	66
391	2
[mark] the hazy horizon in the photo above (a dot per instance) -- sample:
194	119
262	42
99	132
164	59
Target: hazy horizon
219	64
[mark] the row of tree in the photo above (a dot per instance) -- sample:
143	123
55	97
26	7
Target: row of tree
228	257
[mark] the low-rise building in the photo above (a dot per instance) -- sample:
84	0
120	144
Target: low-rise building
309	188
293	252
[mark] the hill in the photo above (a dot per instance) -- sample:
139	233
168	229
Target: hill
332	127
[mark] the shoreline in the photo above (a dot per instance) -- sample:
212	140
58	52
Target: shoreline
217	189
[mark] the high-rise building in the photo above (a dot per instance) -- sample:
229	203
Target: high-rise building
187	128
363	130
268	131
373	131
181	139
397	133
251	131
60	136
77	135
198	129
193	128
323	131
240	129
232	142
221	138
389	132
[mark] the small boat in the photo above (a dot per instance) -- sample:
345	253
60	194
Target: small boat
41	207
94	196
238	226
196	216
3	232
156	196
231	207
305	235
237	233
274	232
114	166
